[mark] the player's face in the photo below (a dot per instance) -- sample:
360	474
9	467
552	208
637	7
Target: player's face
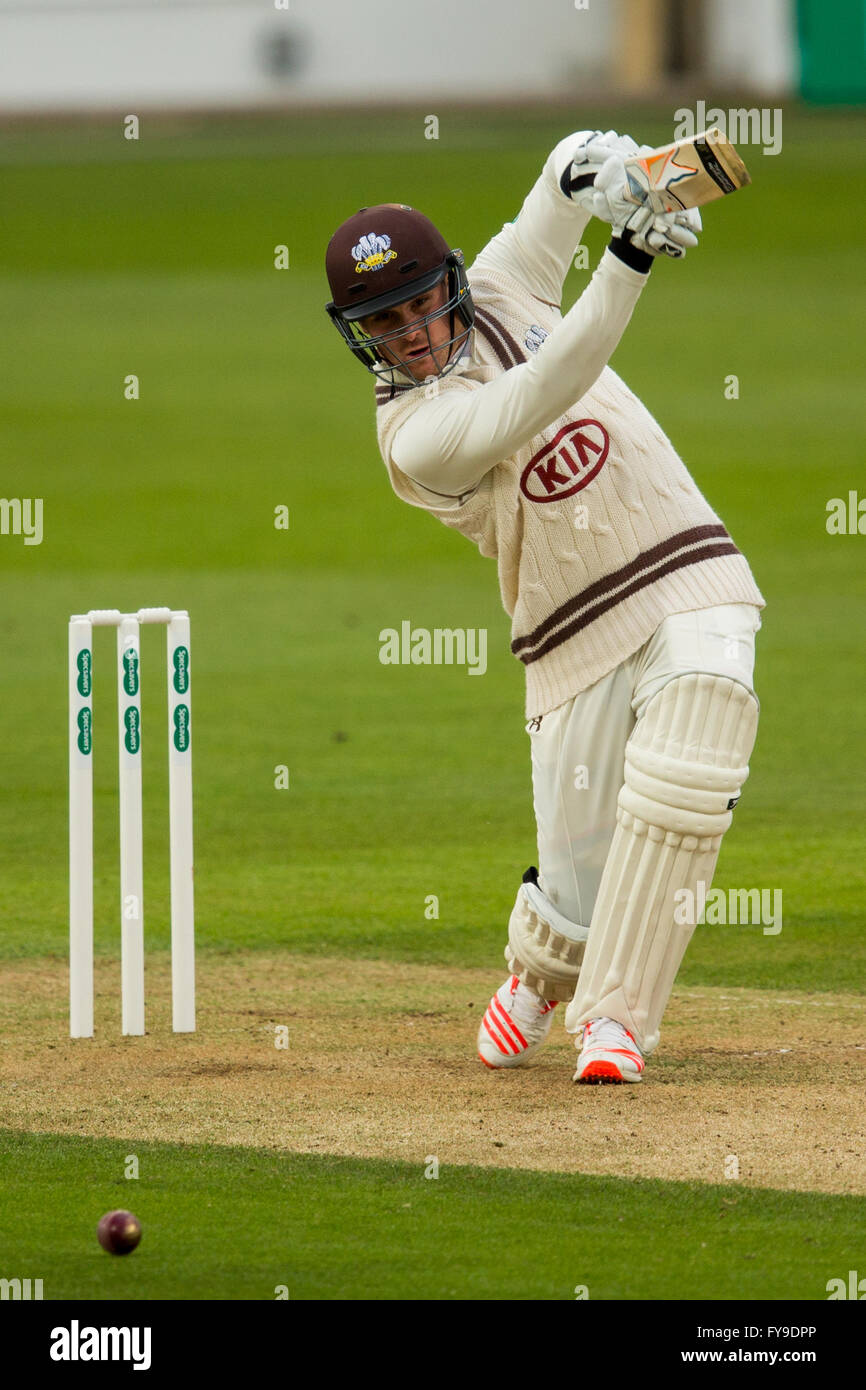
412	347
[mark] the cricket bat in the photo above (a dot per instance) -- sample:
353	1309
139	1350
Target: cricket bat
687	173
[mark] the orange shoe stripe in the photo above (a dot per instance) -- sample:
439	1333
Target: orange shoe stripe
503	1018
602	1069
505	1044
619	1051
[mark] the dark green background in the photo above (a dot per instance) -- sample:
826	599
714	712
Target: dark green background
156	258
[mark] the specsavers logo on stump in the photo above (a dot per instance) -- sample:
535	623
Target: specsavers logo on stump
567	463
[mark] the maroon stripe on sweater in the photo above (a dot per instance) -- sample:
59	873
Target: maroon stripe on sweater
514	347
488	330
384	394
645	560
582	620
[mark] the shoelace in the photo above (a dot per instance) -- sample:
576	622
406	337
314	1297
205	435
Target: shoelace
527	1009
607	1032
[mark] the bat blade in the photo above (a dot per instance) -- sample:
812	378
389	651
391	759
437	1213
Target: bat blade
687	173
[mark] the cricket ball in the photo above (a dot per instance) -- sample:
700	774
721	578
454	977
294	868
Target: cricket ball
119	1232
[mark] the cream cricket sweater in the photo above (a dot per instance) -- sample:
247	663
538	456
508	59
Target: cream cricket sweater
535	450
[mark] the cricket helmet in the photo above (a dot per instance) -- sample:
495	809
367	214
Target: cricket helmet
381	257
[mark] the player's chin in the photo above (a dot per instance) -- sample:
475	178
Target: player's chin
421	365
427	364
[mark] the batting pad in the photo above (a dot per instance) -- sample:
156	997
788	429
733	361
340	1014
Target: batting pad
685	763
544	948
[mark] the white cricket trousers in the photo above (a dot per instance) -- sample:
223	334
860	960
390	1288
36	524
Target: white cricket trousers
578	750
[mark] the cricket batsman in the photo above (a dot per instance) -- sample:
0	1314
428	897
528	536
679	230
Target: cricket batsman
632	610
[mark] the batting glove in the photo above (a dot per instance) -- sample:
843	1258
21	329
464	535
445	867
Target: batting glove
588	158
664	233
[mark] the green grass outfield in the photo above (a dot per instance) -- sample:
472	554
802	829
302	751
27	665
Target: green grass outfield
337	1228
156	258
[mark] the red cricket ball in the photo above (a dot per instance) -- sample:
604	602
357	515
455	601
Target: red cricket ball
119	1232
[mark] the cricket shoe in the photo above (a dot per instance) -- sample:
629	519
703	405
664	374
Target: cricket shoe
609	1053
515	1025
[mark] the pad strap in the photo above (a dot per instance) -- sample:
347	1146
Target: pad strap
545	949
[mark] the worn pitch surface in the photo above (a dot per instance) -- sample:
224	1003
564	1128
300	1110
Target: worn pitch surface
379	1062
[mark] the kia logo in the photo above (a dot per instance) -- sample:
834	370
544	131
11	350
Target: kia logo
567	463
